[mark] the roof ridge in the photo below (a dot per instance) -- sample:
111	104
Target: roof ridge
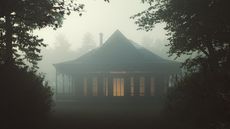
119	49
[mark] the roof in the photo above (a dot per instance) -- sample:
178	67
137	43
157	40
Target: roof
118	53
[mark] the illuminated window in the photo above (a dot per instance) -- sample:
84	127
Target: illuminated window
106	87
122	87
118	87
131	86
85	86
152	86
95	87
142	86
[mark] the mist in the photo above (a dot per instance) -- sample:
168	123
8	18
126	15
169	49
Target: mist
63	51
81	35
114	64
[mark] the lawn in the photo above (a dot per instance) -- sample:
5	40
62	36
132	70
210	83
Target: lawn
110	114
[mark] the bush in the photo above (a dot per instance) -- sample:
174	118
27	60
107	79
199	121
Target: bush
27	98
200	100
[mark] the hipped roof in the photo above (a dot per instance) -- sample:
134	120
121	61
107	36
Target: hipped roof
118	54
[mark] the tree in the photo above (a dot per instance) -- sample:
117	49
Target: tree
61	52
26	98
18	19
197	26
156	46
87	42
200	28
200	102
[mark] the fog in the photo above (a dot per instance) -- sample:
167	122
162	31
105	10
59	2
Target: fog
100	71
69	41
100	16
80	35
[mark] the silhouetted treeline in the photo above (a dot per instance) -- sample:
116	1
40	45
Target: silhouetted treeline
199	100
199	30
62	52
26	98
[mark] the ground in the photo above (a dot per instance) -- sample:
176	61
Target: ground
74	114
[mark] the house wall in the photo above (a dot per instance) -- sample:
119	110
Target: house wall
112	84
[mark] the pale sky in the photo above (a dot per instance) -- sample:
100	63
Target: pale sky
102	17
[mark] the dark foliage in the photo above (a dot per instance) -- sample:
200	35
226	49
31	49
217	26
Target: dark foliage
26	98
18	20
200	27
200	100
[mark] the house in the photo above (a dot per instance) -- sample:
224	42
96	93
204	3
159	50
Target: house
119	67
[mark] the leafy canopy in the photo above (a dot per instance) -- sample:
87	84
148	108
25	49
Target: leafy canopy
18	19
202	28
194	26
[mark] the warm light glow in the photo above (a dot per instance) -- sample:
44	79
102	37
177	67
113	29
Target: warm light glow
95	86
118	87
122	87
131	86
114	87
142	86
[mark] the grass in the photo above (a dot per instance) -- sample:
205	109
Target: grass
105	115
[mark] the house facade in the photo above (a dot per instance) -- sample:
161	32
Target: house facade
118	68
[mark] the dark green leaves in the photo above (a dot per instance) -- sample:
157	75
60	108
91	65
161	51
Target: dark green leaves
16	34
200	27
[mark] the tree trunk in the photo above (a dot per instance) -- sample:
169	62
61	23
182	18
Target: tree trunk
9	46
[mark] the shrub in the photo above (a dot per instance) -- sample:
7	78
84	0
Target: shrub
27	98
201	100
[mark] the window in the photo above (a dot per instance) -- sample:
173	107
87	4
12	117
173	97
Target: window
95	87
142	86
152	86
85	87
131	86
106	87
118	87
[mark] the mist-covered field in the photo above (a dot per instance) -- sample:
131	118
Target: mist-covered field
104	115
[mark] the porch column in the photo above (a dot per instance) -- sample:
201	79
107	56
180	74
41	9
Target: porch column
90	85
73	85
100	85
77	85
110	77
56	82
136	86
63	84
127	85
81	87
147	85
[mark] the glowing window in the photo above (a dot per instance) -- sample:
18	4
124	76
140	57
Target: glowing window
95	86
142	86
106	87
152	86
118	87
131	86
85	87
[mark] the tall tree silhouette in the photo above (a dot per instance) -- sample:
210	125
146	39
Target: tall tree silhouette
61	52
18	19
200	26
26	97
88	42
